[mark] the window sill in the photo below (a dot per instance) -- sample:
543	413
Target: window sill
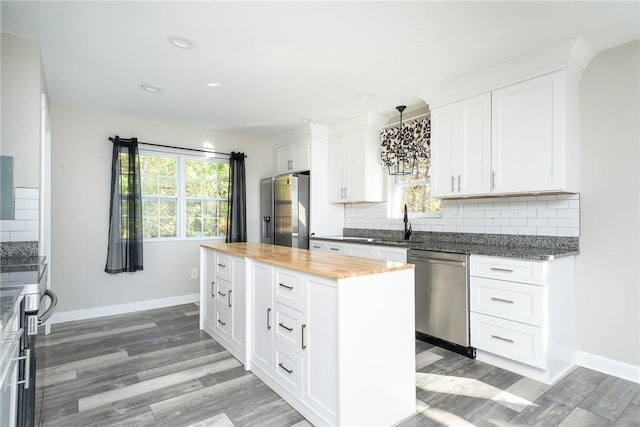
183	239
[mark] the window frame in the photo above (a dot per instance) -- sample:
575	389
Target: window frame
181	196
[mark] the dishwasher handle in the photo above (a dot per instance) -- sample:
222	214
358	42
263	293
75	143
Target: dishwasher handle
439	261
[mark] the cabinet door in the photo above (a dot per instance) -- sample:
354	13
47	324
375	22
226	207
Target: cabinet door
472	156
209	288
527	136
284	159
237	301
321	349
338	169
261	282
301	156
461	148
444	130
314	245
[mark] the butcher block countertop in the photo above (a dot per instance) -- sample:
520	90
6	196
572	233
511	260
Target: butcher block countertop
319	263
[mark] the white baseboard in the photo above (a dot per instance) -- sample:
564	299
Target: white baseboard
623	370
110	310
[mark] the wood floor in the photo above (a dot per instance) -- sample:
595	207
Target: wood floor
155	368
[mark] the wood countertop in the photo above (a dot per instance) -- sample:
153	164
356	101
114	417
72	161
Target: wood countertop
319	263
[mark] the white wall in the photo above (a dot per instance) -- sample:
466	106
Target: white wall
81	163
22	83
608	268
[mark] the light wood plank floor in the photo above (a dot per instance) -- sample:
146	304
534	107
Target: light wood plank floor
155	368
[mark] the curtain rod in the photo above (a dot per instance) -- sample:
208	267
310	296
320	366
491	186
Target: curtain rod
177	148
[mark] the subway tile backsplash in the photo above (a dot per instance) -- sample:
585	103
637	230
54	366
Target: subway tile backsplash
26	225
549	215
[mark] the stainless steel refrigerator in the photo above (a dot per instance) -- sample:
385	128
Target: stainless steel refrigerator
284	210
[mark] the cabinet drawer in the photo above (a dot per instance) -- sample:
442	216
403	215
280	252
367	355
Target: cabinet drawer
223	321
289	289
288	327
317	246
516	341
288	369
222	294
507	300
223	266
335	248
512	270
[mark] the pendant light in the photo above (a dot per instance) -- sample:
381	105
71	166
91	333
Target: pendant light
405	157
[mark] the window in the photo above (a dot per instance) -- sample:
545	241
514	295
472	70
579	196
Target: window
414	191
183	196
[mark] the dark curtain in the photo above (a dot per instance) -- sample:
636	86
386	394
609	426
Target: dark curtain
124	253
237	212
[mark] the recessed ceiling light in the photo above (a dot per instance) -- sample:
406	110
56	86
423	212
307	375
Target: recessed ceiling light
181	42
150	88
305	120
213	84
364	95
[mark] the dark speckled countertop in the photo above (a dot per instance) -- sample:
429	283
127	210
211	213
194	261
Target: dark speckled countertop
536	248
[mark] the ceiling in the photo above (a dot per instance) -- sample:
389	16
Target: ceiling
279	62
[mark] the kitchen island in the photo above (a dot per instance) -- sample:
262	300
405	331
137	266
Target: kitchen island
333	335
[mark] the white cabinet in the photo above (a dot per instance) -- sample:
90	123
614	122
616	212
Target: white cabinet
534	122
523	315
301	336
387	253
292	157
355	169
461	147
223	299
531	136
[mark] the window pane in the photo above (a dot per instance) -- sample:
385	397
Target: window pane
210	189
418	199
150	227
148	165
194	227
210	227
209	209
194	209
193	188
168	227
168	186
168	208
149	185
149	208
167	166
193	169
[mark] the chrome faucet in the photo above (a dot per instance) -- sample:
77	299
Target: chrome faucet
407	230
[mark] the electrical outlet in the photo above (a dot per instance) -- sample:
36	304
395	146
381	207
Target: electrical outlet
194	273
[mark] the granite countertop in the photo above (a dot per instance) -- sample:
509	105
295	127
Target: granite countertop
8	299
523	251
319	263
20	263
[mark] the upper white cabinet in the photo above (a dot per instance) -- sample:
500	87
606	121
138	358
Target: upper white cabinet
292	156
534	145
355	170
512	129
461	147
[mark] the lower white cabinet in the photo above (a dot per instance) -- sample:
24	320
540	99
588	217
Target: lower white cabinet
523	314
387	253
223	293
319	357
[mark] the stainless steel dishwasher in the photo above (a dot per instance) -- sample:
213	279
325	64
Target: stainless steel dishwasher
442	299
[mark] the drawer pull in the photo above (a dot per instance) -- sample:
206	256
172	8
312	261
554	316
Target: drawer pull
221	322
289	371
285	286
222	265
503	270
502	339
284	326
334	249
268	318
315	247
501	300
222	294
230	297
303	344
213	292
